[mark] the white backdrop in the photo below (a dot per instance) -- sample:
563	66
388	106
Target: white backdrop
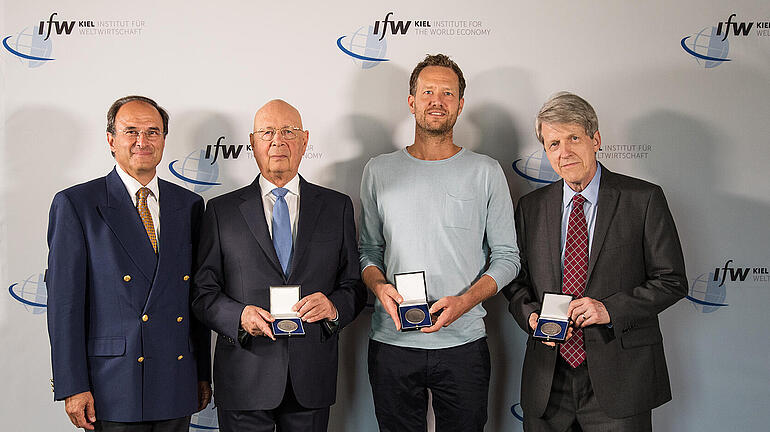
698	127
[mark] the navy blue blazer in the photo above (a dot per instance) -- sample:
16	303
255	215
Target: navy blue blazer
119	318
237	264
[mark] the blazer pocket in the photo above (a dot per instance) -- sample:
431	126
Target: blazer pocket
641	336
107	346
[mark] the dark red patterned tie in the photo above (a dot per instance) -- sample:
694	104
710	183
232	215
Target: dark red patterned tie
575	274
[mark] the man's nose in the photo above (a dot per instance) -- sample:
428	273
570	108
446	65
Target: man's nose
141	139
278	140
435	101
567	147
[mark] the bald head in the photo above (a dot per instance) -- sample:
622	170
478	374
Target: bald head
278	141
275	110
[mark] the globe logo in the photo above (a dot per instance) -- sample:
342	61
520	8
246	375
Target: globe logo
29	47
198	173
536	169
205	420
32	293
707	47
364	46
706	295
516	411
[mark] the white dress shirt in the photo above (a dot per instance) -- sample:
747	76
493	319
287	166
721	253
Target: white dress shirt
292	201
133	186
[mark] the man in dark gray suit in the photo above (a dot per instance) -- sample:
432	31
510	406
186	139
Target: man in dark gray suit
279	230
609	240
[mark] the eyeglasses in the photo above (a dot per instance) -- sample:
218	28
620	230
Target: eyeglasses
149	135
288	133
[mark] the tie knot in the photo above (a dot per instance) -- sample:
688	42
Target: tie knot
143	193
578	200
280	192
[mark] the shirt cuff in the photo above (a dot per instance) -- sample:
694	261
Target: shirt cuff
336	318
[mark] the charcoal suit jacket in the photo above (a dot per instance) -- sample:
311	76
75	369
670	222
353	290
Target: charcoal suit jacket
636	268
238	264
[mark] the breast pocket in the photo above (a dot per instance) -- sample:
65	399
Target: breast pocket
459	211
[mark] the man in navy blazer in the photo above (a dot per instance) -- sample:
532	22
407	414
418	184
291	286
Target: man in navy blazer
612	239
279	230
127	354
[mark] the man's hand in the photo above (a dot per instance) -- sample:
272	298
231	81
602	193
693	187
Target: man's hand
533	320
533	324
204	394
315	307
80	409
390	299
451	308
386	293
255	321
587	311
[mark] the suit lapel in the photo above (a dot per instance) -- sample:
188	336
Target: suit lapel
121	216
608	203
309	208
553	228
254	214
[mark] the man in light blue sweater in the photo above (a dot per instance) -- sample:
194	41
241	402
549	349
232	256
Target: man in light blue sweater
439	208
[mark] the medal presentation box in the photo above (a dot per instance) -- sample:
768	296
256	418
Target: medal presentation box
286	323
413	311
553	323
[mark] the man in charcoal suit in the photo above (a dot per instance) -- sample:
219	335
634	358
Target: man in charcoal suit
610	241
280	230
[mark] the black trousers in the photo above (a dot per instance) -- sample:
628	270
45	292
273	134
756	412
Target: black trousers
573	407
457	377
289	416
181	424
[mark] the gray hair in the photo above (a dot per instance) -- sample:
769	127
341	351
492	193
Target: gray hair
565	107
113	111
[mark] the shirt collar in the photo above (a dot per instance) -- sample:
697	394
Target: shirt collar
590	193
267	186
133	185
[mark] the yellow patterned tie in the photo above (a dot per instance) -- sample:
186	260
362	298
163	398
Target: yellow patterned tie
144	213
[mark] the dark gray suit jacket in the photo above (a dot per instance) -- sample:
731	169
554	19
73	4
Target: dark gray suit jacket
635	268
237	264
